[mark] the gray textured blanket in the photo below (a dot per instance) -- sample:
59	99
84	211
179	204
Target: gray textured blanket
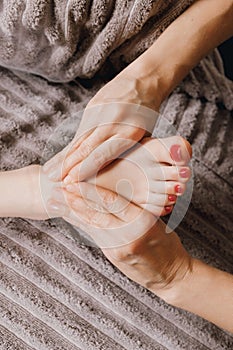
65	39
56	293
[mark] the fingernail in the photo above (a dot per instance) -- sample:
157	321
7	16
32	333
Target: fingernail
57	194
178	189
71	188
175	152
172	198
54	175
167	209
56	208
184	173
68	179
45	168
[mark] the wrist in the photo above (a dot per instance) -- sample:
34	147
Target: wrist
131	88
145	82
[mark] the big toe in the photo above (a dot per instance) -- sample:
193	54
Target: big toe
174	150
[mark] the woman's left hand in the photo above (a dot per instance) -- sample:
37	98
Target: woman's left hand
117	117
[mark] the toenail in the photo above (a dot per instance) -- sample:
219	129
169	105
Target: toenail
184	173
178	189
171	198
167	209
175	152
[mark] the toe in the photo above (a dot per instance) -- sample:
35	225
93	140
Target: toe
168	187
169	173
161	200
156	210
172	150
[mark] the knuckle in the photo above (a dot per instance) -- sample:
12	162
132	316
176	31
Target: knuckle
109	198
99	158
85	149
97	219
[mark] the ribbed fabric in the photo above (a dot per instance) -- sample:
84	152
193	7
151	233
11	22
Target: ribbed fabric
58	293
65	39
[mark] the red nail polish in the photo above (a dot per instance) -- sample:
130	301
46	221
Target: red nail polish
175	152
167	209
171	198
184	173
178	189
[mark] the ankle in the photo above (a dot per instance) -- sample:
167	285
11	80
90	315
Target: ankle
173	292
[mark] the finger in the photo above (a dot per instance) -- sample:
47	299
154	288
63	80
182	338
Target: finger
104	153
55	166
110	201
101	226
107	229
55	161
84	149
78	139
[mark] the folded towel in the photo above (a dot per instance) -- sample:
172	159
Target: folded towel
64	39
56	292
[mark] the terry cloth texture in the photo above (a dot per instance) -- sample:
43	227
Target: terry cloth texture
65	39
56	292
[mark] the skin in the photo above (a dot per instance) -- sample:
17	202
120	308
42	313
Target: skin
132	238
151	257
152	181
146	83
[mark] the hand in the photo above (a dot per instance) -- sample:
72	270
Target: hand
124	111
131	238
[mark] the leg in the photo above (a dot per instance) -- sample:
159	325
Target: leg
20	193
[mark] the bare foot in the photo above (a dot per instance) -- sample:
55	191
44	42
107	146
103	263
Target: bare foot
152	174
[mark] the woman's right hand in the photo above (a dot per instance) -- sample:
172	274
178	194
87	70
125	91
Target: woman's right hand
131	238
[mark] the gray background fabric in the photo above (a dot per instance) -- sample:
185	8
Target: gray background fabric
56	292
65	39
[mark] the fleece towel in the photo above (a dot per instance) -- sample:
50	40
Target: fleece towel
64	39
56	291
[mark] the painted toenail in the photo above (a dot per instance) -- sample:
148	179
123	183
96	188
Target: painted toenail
178	189
171	198
175	152
167	209
184	173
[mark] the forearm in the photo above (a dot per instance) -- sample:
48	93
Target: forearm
207	292
201	28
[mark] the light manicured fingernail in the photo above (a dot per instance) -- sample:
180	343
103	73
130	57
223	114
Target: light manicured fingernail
68	179
46	167
71	187
57	194
56	208
54	175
